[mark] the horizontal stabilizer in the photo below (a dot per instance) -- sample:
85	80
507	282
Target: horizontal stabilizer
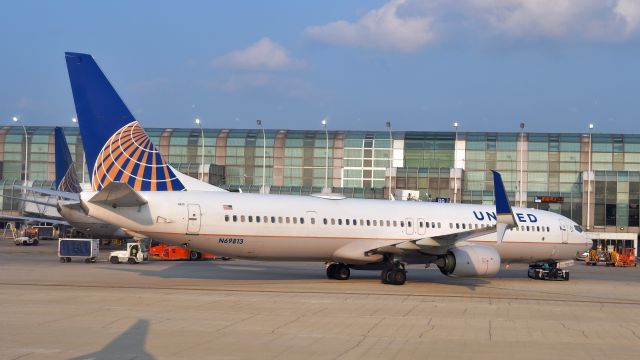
62	194
118	194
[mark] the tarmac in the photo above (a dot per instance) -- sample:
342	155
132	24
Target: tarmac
273	310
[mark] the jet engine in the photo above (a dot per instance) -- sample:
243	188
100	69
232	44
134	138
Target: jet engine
469	261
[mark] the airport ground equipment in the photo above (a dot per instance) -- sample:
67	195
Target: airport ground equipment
73	248
547	271
25	241
626	257
594	257
134	254
172	252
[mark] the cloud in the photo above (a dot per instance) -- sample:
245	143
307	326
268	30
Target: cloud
629	12
387	27
265	54
604	20
409	25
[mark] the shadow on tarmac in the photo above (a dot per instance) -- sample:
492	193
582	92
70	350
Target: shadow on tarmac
292	271
129	345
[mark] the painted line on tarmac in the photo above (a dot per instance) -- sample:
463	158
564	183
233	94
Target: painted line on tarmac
564	300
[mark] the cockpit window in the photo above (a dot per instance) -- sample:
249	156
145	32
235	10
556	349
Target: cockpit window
578	228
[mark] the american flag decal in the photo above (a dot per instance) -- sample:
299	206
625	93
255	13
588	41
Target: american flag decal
227	207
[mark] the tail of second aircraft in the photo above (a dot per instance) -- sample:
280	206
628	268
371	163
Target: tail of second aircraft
66	176
117	149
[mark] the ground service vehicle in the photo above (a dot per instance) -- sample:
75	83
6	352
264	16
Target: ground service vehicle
86	249
626	257
26	241
547	271
172	252
134	254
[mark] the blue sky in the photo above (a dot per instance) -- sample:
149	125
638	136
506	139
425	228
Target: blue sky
489	64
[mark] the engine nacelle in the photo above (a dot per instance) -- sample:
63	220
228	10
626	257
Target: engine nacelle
469	261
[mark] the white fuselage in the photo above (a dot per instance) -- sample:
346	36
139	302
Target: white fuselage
310	228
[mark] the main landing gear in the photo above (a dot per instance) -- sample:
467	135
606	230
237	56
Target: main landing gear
338	271
395	275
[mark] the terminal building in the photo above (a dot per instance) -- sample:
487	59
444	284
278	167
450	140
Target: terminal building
594	179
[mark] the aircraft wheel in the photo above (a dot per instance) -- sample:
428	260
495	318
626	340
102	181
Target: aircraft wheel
63	260
566	276
331	270
342	272
398	277
68	259
383	276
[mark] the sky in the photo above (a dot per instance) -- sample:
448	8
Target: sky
556	65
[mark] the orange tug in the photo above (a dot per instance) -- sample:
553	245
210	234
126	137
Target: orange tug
166	252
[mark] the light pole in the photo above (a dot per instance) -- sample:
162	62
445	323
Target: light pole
521	160
589	181
26	150
455	170
326	157
388	124
264	156
198	122
74	120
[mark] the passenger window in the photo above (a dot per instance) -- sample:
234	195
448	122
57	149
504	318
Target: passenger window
528	228
426	224
333	221
388	223
361	222
464	225
257	219
450	226
381	222
409	223
346	221
235	218
375	222
368	222
457	226
250	218
339	221
226	218
548	229
242	218
301	220
420	224
324	221
287	220
313	221
273	219
439	225
280	219
355	222
295	220
395	223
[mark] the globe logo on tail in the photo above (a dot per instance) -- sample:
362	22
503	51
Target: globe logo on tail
129	156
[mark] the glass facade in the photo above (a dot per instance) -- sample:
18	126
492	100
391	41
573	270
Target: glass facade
534	166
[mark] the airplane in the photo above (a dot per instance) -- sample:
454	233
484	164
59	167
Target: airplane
134	188
68	188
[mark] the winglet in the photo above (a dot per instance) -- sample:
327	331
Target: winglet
506	219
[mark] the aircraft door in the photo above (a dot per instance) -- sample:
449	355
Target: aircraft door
409	224
564	229
422	227
193	219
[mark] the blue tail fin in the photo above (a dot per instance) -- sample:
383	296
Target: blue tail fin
66	177
116	147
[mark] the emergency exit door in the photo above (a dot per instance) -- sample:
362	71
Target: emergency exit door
193	219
